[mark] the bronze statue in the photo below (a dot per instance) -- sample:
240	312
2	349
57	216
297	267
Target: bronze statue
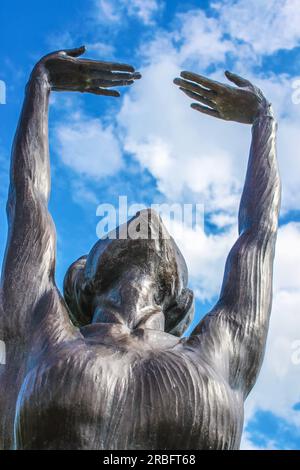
106	367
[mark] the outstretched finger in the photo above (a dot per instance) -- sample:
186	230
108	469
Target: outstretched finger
195	96
102	91
96	65
239	81
120	67
113	76
205	110
209	94
109	83
76	52
204	81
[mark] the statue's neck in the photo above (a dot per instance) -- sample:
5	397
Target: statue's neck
131	304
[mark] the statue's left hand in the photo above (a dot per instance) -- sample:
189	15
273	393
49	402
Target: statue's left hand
67	72
242	104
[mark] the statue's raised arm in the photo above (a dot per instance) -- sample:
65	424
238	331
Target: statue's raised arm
233	335
29	264
33	311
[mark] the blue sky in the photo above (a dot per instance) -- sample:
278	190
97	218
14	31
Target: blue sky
149	146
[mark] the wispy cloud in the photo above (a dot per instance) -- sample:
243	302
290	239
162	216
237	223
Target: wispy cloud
143	10
265	25
88	147
101	50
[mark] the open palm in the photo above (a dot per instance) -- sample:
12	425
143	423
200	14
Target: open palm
242	104
68	72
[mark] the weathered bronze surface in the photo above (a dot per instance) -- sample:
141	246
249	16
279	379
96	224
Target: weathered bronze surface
118	376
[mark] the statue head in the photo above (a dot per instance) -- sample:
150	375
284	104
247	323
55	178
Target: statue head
136	275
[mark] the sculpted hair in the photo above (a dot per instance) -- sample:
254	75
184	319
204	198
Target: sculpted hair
109	260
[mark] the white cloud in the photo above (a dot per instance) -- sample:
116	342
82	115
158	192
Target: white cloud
287	261
186	150
205	254
113	10
201	39
145	10
170	139
196	38
67	40
173	142
59	41
222	219
88	148
247	444
101	50
82	194
288	155
107	10
266	25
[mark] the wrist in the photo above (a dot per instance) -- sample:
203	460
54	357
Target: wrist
40	76
265	111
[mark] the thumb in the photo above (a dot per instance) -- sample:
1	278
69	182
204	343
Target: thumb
239	81
75	52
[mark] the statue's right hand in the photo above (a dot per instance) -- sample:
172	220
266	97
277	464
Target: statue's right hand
67	72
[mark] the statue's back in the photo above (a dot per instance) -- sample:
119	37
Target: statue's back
88	396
